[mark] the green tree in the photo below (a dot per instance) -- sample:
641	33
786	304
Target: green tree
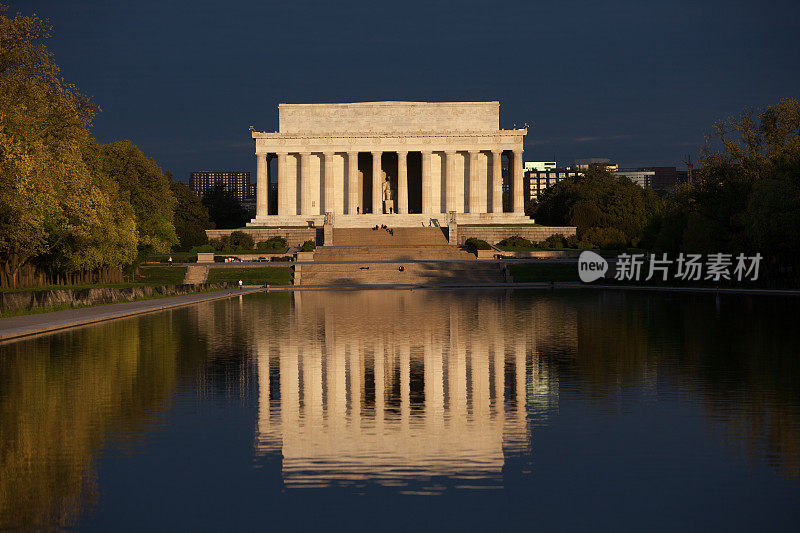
191	217
747	193
52	208
225	211
147	188
606	209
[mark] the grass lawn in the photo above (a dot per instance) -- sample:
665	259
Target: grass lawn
160	275
530	272
251	276
177	257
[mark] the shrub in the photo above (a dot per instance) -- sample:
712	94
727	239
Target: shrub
572	241
205	248
606	238
516	242
241	241
272	244
554	242
308	246
472	244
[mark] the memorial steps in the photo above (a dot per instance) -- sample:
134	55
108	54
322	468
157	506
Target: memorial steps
412	256
401	237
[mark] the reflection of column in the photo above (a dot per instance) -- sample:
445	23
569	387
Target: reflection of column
305	184
474	184
450	181
497	182
479	359
405	383
519	208
380	392
263	392
427	186
337	383
402	183
312	385
356	382
352	182
457	371
522	375
499	373
290	389
377	184
329	183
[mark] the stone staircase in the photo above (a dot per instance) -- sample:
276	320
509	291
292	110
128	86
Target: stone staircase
381	237
412	256
196	275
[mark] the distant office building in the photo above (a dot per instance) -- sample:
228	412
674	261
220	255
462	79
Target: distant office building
665	178
642	177
537	181
236	182
539	165
584	164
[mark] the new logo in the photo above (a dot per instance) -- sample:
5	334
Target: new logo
591	266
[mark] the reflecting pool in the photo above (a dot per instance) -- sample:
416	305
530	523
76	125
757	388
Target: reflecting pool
424	409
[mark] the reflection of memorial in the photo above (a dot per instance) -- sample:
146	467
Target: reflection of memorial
359	388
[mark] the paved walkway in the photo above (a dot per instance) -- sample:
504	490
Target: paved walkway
25	325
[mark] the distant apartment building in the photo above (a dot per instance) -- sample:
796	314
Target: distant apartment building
537	181
236	182
584	164
539	165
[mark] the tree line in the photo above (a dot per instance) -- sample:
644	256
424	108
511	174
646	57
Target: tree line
72	209
744	197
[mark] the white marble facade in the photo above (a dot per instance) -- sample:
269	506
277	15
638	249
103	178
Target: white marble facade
431	158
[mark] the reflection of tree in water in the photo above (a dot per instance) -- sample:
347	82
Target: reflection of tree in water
739	354
60	396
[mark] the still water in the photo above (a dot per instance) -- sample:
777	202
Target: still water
400	410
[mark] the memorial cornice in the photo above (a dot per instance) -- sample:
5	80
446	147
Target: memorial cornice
378	134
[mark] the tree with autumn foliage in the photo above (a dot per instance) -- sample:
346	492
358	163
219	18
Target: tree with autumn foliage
67	203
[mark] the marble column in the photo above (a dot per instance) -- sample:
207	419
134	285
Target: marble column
329	181
305	181
283	186
450	181
402	183
262	186
474	183
519	207
377	184
497	181
352	182
427	204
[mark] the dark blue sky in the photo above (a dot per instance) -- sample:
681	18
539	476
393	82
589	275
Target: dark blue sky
630	80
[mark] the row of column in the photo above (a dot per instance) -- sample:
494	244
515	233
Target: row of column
478	193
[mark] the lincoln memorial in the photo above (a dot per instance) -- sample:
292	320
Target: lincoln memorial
394	163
